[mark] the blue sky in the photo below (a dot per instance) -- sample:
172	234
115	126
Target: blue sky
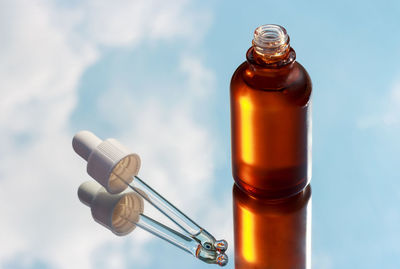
156	75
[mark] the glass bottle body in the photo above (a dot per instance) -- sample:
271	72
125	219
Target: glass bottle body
271	125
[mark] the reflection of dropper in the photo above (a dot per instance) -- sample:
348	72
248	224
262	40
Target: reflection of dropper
116	169
121	213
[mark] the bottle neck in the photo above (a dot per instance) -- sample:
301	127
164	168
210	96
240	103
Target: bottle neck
271	47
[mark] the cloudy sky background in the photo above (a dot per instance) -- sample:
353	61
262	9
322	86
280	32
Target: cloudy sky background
155	74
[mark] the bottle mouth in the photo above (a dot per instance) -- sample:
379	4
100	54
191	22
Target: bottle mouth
271	40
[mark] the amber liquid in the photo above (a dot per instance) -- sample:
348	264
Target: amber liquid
272	234
270	123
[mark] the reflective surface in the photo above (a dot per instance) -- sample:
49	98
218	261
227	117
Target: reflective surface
272	233
93	64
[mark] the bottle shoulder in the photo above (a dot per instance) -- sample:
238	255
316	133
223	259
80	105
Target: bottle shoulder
292	82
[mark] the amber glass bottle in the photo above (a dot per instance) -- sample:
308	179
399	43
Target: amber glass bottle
272	233
271	118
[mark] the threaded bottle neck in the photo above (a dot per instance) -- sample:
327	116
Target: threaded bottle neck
271	42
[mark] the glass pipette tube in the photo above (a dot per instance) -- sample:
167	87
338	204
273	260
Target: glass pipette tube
181	241
175	215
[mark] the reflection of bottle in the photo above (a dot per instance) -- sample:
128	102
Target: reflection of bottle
272	233
271	121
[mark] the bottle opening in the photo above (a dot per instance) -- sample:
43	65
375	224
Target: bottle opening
271	41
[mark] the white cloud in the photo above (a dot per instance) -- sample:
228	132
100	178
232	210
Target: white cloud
200	79
385	112
39	72
322	261
391	116
45	50
125	23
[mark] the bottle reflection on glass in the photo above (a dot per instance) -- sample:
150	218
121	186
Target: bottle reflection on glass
272	234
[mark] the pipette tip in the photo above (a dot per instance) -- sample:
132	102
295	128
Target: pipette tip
222	259
221	245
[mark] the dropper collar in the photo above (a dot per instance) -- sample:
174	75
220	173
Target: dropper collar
108	161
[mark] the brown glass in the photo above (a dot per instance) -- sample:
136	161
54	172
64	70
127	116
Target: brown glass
272	233
270	123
